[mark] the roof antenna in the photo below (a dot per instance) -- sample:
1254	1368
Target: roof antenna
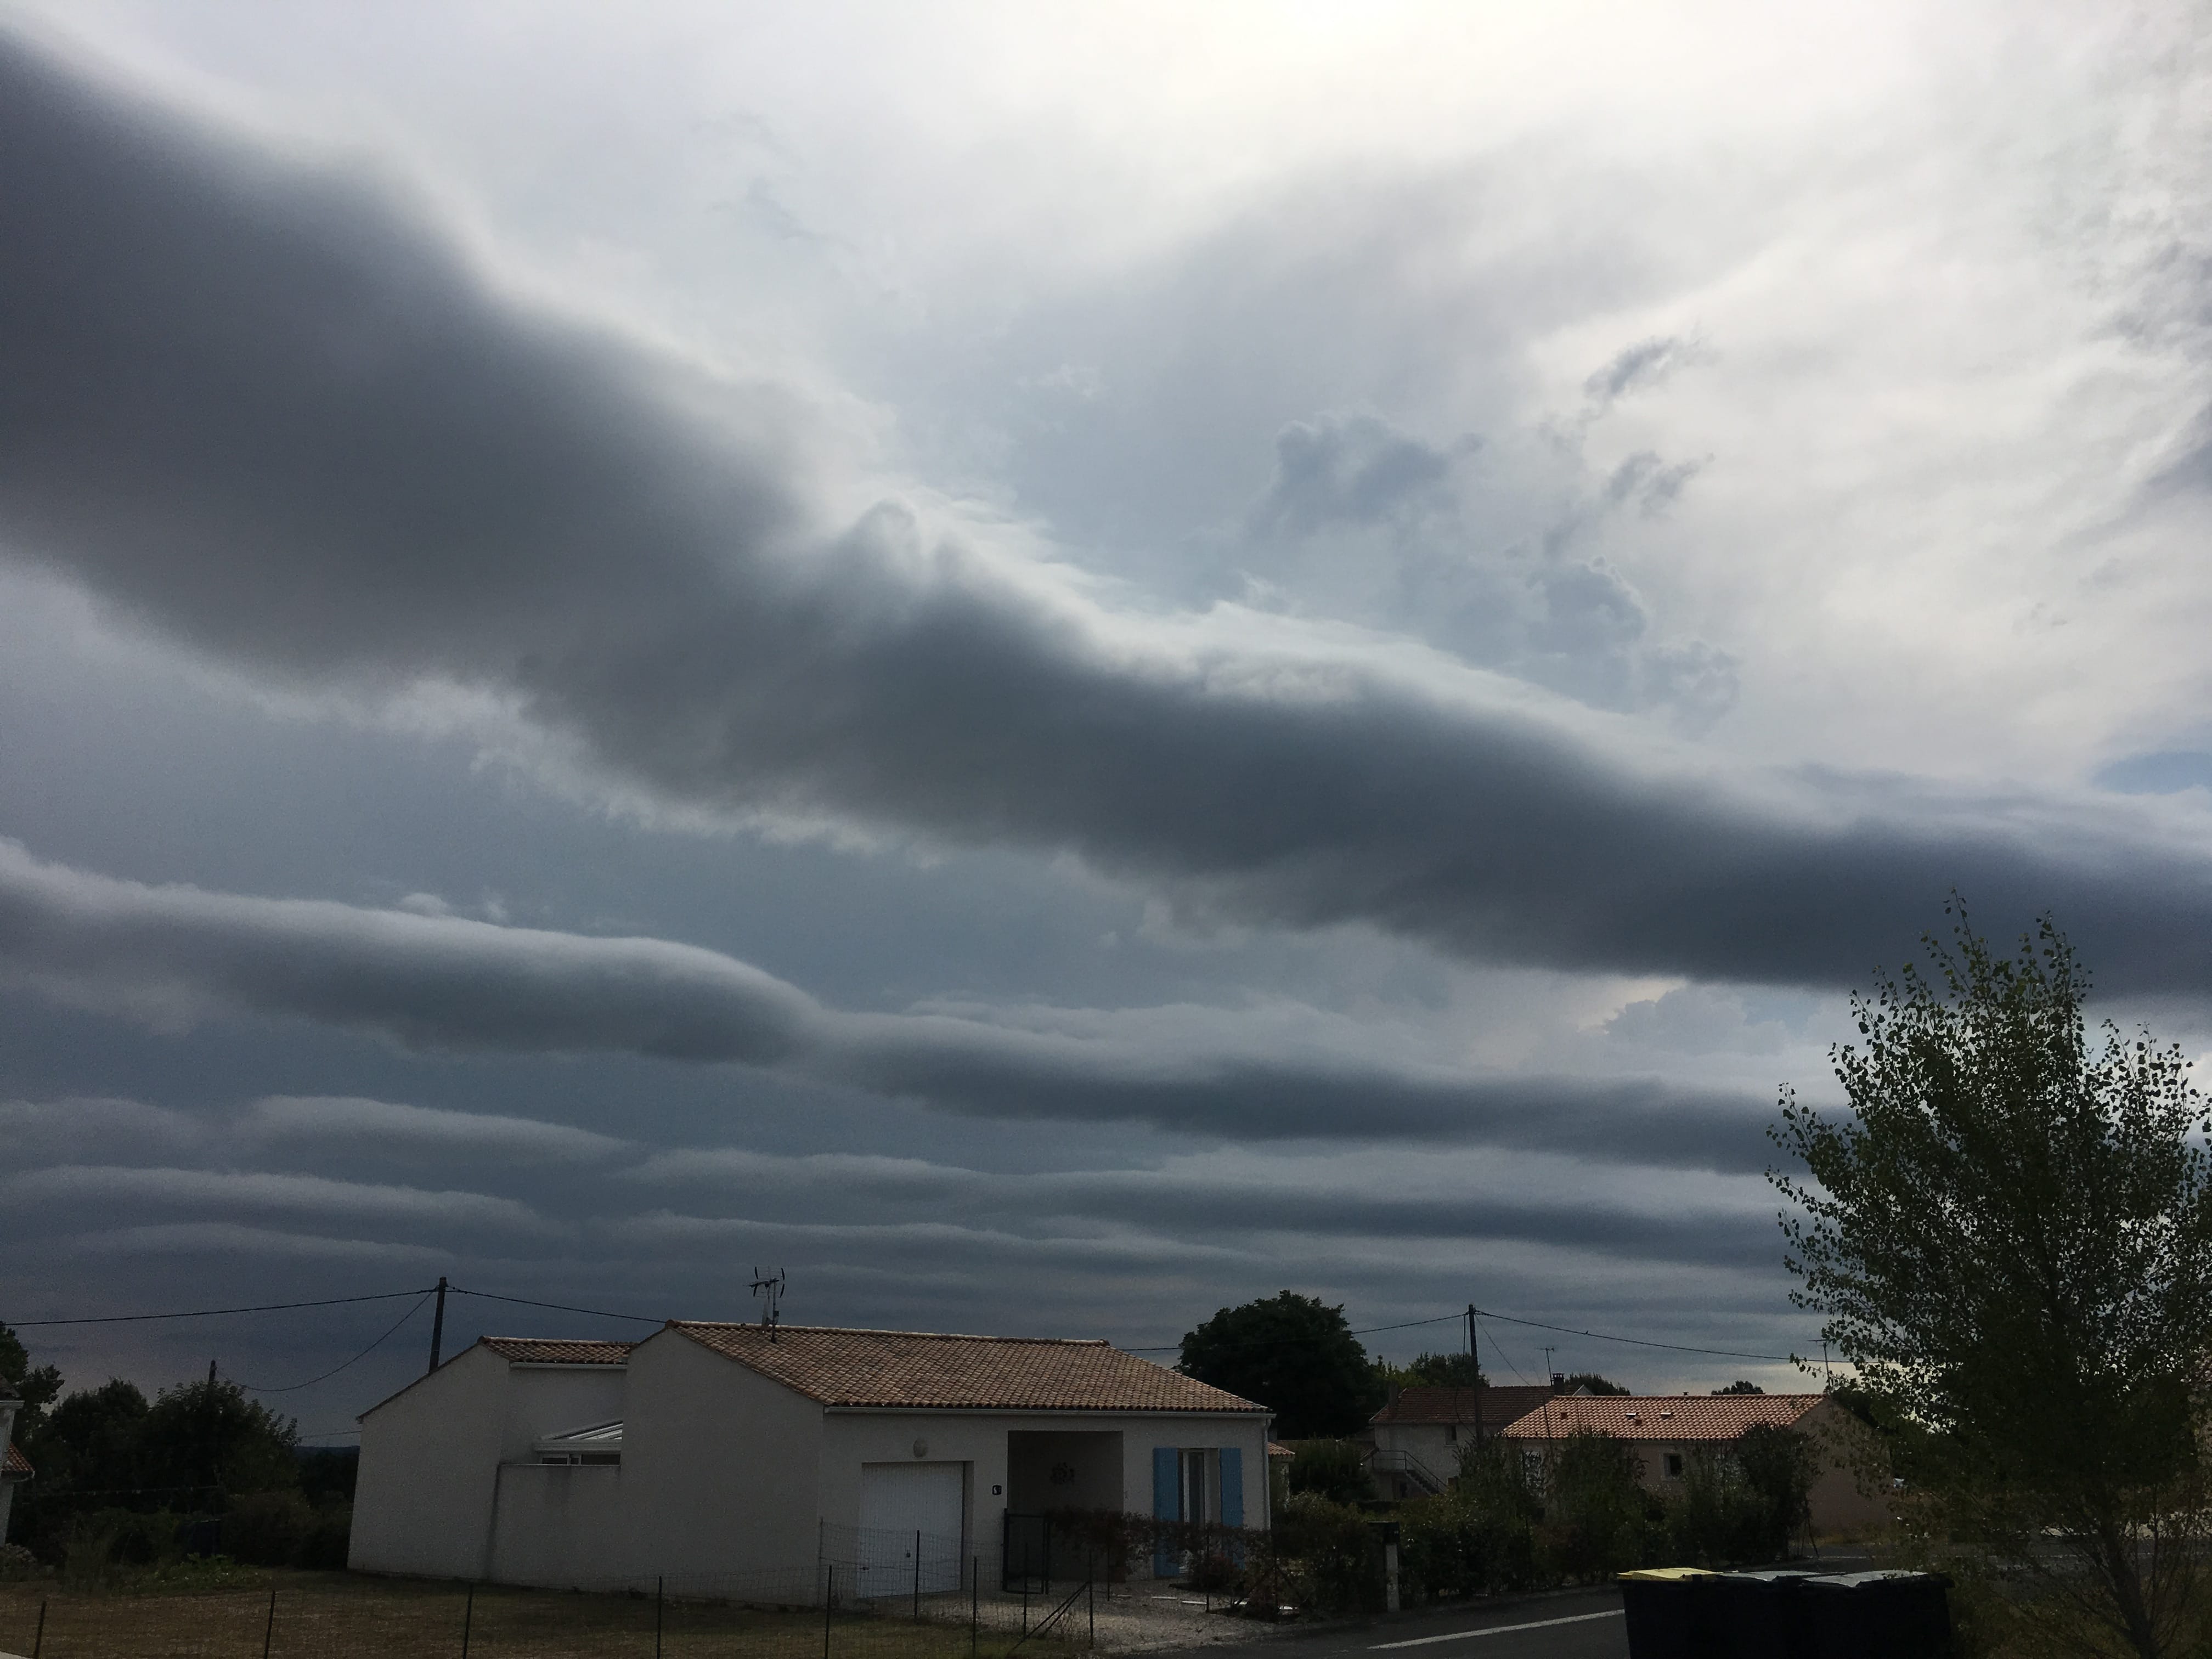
769	1289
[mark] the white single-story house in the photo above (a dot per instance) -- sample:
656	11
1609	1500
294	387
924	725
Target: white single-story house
1665	1429
718	1451
1418	1434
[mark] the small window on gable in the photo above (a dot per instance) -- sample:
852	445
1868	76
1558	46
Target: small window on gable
1673	1461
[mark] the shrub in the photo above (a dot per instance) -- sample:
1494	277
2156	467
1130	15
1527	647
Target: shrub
1326	1556
1335	1469
1598	1519
268	1528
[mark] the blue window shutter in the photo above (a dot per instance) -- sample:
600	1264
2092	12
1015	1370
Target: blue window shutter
1167	1503
1232	1485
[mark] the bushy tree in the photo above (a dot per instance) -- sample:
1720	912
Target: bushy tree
1293	1354
36	1386
2009	1229
1741	1386
1597	1513
1446	1371
209	1435
1336	1469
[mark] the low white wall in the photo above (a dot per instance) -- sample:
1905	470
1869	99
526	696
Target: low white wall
429	1456
719	1467
556	1526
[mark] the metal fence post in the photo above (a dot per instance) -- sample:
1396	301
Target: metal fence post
917	1576
1090	1600
974	1601
39	1640
468	1618
828	1601
269	1630
658	1586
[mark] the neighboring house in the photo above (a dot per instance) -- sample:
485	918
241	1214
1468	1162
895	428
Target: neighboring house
1417	1435
714	1450
1665	1431
15	1467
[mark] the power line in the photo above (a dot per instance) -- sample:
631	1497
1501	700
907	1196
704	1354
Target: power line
1365	1330
293	1388
557	1306
212	1313
1640	1342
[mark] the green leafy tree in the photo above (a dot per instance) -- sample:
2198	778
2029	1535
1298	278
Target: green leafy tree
1591	1381
37	1387
2009	1230
1741	1386
1446	1370
89	1444
209	1435
1597	1513
1293	1354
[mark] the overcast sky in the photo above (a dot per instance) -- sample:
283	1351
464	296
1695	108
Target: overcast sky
1056	665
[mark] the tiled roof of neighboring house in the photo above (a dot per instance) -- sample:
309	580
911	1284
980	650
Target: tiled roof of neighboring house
558	1350
1426	1403
14	1466
1664	1416
921	1369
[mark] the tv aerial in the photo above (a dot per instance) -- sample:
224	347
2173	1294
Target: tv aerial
769	1288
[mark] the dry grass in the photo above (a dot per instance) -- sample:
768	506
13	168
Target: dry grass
225	1615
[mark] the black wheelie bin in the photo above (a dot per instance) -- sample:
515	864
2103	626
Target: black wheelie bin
1670	1612
1880	1615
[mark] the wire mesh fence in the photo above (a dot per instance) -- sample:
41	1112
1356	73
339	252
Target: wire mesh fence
890	1596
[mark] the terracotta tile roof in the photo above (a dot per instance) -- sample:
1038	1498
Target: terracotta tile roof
558	1350
14	1466
923	1369
1427	1403
1664	1416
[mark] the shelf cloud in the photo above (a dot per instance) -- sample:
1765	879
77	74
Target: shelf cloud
270	408
174	955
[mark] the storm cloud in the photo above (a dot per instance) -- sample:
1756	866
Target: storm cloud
271	409
174	955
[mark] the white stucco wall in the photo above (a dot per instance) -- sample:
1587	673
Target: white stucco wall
422	1499
719	1469
1432	1442
430	1457
554	1526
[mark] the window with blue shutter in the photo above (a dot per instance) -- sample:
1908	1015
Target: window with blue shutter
1232	1485
1167	1503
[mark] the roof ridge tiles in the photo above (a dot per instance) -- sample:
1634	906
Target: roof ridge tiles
872	1330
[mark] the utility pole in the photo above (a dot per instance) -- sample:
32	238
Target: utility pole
210	1373
1474	1364
437	1325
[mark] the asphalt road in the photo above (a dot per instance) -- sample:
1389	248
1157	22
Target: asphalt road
1583	1624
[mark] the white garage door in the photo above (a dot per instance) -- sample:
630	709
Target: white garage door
910	1516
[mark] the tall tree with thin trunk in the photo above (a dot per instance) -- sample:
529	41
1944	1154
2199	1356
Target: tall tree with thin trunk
2009	1230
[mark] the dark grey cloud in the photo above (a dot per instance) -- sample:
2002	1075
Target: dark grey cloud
175	954
267	408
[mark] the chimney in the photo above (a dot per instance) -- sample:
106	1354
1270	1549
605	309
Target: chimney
9	1405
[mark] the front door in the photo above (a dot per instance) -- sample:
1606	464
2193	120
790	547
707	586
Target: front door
910	1527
